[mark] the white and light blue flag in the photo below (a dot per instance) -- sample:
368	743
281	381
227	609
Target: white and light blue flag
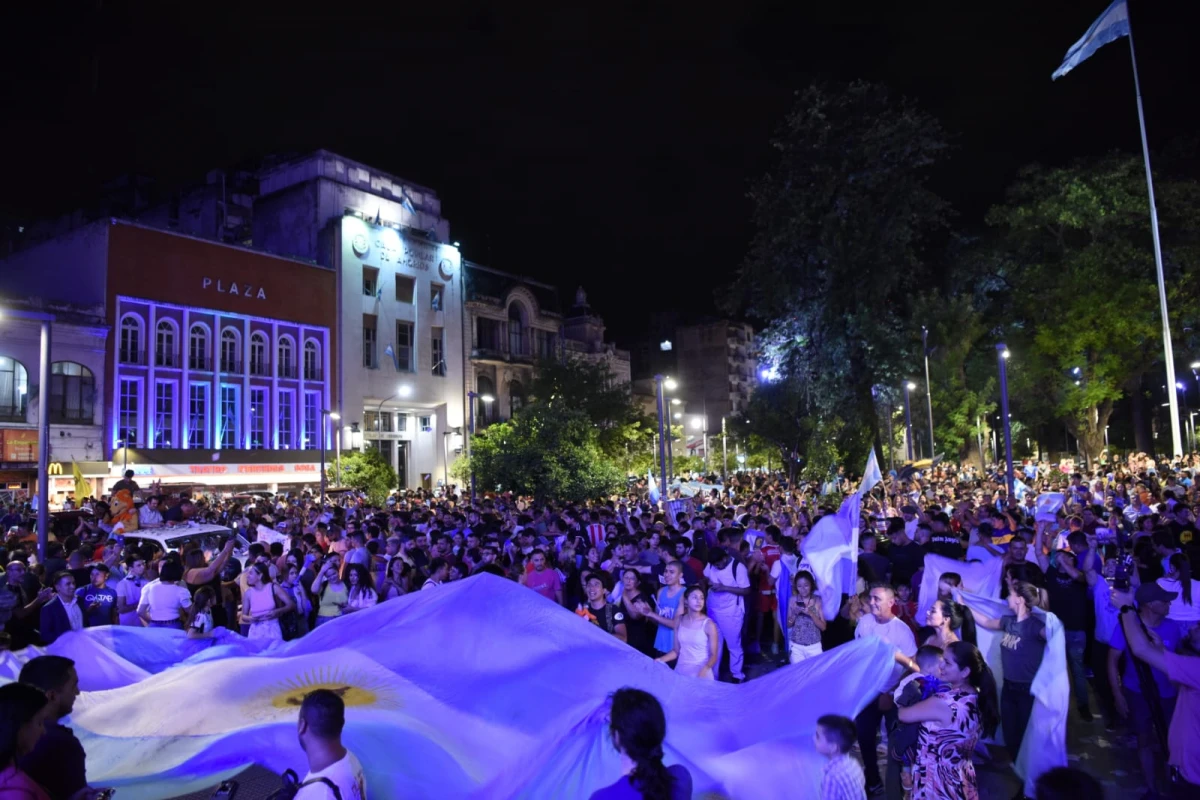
1110	26
871	475
653	488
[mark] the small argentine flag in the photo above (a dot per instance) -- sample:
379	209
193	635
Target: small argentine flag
1110	26
653	487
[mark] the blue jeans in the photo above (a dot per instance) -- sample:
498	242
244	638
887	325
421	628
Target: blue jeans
1076	644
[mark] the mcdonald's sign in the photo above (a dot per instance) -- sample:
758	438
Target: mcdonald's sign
55	468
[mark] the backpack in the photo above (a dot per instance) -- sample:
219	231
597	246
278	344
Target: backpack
292	786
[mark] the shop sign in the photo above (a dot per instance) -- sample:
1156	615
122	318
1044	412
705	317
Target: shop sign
233	287
202	470
19	444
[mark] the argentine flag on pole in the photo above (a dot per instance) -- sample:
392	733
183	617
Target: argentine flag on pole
653	489
1110	26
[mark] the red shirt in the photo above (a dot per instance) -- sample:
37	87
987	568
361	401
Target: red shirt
771	554
546	583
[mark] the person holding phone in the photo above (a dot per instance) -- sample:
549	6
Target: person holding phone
331	592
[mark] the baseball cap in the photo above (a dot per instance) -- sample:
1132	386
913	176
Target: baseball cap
1150	592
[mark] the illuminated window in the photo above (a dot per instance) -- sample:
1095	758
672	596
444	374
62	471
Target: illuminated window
164	344
312	420
286	414
198	348
258	354
312	361
436	295
164	414
287	357
129	408
14	390
198	416
258	418
370	281
231	349
131	339
230	416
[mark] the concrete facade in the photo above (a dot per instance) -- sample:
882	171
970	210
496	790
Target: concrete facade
717	369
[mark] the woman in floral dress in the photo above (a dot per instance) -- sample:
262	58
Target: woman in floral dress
952	721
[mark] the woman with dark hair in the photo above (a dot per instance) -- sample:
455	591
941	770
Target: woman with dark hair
950	619
697	648
1179	581
395	583
638	726
952	721
263	604
1021	654
22	722
639	628
805	619
362	590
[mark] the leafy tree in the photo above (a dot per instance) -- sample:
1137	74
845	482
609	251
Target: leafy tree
1077	253
366	471
843	220
548	453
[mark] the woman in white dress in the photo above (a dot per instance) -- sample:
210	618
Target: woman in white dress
1185	608
697	642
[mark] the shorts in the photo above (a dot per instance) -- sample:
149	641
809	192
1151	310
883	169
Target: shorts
767	601
1143	722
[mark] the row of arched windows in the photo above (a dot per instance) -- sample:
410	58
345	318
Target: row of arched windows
166	350
72	392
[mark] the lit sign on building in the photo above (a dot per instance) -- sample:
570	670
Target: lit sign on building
244	290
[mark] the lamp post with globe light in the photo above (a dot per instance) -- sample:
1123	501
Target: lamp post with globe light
1002	355
908	387
487	401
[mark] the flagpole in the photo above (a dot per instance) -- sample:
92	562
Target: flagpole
1168	352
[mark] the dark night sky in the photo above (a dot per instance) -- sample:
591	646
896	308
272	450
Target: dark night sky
605	146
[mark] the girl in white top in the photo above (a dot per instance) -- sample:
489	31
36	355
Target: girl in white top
697	643
164	602
1184	608
362	593
263	604
200	623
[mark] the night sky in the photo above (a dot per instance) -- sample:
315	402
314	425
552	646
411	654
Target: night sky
609	146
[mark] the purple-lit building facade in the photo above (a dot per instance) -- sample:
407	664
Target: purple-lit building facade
220	358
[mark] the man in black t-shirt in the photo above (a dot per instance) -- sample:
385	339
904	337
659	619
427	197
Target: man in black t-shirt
597	610
1070	601
942	540
906	555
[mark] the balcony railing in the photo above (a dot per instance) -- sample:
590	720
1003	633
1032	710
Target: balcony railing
201	363
260	369
12	413
71	416
166	359
231	367
288	371
312	374
137	358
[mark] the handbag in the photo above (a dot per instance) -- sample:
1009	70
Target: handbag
289	623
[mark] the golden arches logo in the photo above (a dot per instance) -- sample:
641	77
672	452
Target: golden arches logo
54	468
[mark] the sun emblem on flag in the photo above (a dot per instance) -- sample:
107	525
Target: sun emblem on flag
358	688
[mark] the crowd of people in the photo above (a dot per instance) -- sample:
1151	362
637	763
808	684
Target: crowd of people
694	583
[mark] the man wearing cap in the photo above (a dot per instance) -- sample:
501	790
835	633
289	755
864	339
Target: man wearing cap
1129	695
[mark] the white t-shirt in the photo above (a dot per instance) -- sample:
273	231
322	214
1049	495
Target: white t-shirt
346	774
895	633
734	574
164	600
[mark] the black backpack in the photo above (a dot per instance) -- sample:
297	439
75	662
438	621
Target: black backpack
292	786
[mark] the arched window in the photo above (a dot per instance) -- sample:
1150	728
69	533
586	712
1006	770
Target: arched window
485	412
131	340
14	390
164	344
287	357
312	361
231	350
516	398
198	348
258	354
516	330
72	393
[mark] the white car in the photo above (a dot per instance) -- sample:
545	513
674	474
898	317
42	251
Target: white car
211	538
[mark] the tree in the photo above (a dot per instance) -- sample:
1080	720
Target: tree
778	417
1078	256
367	472
842	223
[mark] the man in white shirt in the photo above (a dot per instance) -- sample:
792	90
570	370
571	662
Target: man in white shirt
729	583
882	623
322	717
149	515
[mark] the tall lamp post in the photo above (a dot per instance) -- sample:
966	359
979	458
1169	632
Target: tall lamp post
487	399
661	382
336	417
908	387
43	470
1002	355
326	415
724	455
928	389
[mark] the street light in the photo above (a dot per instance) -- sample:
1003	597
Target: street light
660	383
1002	356
908	387
487	400
336	417
928	389
327	415
43	470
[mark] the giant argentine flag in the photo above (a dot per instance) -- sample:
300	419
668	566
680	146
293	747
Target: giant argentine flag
457	692
1110	26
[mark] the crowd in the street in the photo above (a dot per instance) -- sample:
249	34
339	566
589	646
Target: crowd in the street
695	584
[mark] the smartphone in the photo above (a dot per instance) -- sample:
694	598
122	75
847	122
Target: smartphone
226	791
105	794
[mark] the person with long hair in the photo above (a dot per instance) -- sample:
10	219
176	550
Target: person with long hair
263	604
952	721
697	647
1021	650
329	589
395	583
805	618
638	726
200	617
949	618
23	711
362	591
1184	608
639	627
